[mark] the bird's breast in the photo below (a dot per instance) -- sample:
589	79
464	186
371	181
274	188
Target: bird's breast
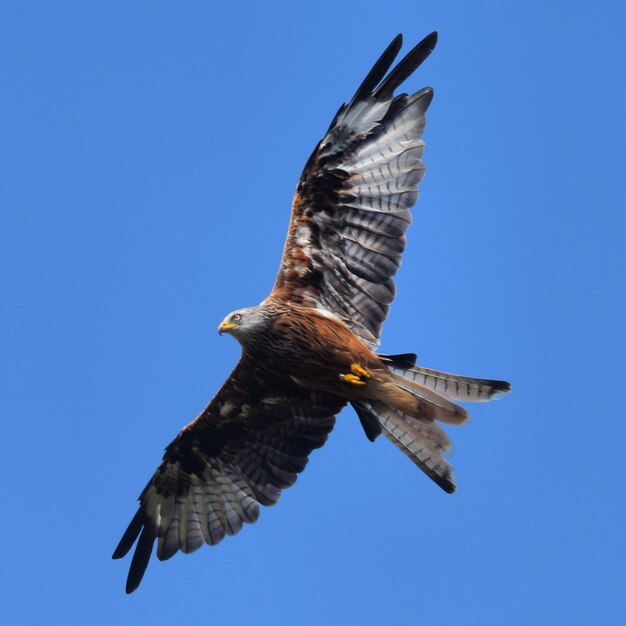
311	349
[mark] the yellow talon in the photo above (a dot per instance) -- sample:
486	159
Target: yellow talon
359	372
352	380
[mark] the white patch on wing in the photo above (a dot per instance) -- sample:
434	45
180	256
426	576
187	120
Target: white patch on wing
298	381
328	314
273	400
303	236
227	408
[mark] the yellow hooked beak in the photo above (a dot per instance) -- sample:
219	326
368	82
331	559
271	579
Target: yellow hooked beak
225	327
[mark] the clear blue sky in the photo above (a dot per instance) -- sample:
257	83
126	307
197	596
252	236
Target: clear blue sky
148	155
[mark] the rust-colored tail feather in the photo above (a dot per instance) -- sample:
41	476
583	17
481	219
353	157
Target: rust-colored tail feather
432	405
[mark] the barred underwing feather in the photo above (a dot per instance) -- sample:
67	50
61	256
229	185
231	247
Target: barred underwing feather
388	225
367	265
409	157
167	545
401	183
387	247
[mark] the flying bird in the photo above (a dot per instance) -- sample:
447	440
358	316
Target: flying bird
310	347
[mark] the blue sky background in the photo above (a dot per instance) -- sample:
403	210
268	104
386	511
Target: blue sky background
149	152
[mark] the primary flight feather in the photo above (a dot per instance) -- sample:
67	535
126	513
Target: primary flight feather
309	348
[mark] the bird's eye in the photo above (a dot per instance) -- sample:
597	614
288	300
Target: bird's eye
236	317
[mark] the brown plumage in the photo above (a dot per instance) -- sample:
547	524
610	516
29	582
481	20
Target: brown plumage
309	348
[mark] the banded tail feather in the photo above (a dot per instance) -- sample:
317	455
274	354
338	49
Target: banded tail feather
423	442
452	386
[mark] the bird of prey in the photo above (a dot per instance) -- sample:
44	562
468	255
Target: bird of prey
309	348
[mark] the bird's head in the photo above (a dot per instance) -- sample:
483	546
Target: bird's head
243	323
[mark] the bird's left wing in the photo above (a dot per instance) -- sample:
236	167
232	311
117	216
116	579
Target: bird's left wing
352	204
247	445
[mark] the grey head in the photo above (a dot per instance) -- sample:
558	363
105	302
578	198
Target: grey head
245	324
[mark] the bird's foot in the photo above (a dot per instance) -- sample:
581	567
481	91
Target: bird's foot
357	375
359	372
352	380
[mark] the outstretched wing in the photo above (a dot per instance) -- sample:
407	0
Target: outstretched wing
247	445
351	207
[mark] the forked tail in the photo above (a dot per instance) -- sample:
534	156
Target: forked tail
411	426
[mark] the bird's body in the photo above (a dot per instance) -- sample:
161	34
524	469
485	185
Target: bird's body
300	342
310	347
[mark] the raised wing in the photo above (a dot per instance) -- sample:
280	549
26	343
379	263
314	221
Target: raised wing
351	207
247	445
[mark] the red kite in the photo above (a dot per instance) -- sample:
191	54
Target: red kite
309	348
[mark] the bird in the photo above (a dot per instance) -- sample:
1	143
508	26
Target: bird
309	348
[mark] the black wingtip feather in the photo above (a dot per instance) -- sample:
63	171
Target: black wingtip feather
377	72
130	536
407	66
136	528
138	565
